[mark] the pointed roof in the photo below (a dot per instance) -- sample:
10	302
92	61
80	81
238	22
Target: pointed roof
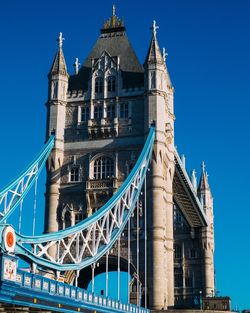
59	64
203	185
154	55
114	41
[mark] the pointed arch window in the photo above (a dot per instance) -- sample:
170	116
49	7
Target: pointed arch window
74	174
111	83
98	85
103	168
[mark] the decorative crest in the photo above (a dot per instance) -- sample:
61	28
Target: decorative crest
164	54
60	40
154	28
76	65
203	166
114	21
113	10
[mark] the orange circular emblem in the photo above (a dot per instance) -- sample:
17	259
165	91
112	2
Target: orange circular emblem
10	239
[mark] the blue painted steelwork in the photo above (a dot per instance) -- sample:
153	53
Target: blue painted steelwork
15	192
37	291
26	245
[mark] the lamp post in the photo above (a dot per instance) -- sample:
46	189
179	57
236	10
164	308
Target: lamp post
200	299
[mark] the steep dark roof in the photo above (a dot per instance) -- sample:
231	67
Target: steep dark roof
59	64
116	43
154	55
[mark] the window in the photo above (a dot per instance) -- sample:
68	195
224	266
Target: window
111	110
67	220
74	174
111	83
177	252
79	217
189	281
103	168
124	110
98	85
84	114
193	253
97	112
152	80
177	217
178	278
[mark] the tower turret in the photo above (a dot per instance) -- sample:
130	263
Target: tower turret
159	110
56	106
207	233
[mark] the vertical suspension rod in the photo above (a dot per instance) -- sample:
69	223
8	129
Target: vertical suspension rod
128	260
93	278
118	269
20	216
145	237
34	212
137	252
107	274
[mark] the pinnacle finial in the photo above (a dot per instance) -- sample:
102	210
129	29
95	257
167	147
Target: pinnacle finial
76	65
60	40
203	166
113	10
164	54
154	28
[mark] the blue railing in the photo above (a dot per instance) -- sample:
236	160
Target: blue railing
36	283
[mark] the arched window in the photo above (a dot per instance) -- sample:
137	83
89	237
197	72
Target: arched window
103	168
99	84
74	175
111	83
67	219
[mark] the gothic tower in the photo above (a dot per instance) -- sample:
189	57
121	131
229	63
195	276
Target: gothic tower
56	110
159	110
100	116
207	234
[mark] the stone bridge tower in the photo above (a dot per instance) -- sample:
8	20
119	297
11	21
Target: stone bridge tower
100	116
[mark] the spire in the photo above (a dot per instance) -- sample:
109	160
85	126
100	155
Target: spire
154	55
203	185
59	64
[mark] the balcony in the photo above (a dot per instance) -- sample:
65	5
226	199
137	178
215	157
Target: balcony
101	184
102	128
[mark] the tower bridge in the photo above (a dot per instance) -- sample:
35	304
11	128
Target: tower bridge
118	195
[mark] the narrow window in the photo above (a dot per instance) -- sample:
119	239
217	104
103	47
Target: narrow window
111	83
124	110
98	85
152	80
98	112
189	281
111	110
177	252
75	174
84	114
79	217
193	253
178	278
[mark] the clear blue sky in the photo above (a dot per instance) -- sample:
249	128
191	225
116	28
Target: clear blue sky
208	44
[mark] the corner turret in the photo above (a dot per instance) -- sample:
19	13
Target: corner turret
56	115
207	234
58	75
159	109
